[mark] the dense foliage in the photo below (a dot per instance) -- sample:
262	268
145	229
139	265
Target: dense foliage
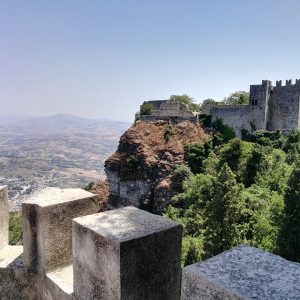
240	191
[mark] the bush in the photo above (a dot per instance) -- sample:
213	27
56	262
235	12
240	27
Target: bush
132	161
146	109
195	154
179	175
227	133
15	228
168	133
89	186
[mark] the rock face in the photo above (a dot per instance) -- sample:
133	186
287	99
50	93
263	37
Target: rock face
139	172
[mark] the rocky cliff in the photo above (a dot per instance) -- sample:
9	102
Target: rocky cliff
139	172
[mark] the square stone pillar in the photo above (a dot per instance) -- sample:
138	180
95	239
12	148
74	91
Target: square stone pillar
47	226
4	216
126	253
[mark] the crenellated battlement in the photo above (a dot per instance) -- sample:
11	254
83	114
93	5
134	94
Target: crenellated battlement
288	83
73	252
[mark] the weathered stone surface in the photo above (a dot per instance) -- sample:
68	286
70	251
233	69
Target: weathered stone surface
14	281
4	216
47	224
242	273
126	254
58	284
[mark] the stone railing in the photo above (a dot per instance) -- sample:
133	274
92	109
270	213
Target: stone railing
72	251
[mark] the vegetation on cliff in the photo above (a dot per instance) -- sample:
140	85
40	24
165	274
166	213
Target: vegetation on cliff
241	191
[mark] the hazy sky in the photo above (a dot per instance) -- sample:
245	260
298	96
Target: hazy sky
98	58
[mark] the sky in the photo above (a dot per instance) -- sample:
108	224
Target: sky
102	59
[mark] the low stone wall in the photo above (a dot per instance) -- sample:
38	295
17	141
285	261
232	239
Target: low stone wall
121	254
172	119
125	254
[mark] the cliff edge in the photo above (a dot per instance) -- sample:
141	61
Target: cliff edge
139	172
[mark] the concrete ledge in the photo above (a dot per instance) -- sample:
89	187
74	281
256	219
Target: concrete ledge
58	284
242	273
11	257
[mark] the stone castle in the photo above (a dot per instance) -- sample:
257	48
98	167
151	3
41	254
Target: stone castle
269	108
71	251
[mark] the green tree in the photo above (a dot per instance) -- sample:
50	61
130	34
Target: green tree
186	99
179	175
289	239
237	98
195	154
224	214
224	132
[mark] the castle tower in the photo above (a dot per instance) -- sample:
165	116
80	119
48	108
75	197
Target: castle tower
259	104
285	106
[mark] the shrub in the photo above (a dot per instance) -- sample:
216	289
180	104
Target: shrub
146	109
89	186
15	228
168	133
227	133
195	154
179	175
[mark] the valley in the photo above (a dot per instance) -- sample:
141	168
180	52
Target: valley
63	151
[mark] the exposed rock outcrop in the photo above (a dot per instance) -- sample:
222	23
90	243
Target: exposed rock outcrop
139	172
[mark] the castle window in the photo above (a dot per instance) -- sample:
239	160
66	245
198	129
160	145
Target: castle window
254	102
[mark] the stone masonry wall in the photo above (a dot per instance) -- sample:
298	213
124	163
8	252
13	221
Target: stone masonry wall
237	117
269	108
284	107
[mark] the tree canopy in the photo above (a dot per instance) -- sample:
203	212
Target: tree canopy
186	99
240	191
237	98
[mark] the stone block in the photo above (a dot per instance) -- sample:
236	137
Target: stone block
126	253
242	273
4	216
47	225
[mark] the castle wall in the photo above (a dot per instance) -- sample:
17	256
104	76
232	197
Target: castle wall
237	117
284	107
156	103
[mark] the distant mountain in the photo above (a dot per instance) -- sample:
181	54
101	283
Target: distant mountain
60	122
10	119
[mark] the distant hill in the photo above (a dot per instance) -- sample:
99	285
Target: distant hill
60	150
65	122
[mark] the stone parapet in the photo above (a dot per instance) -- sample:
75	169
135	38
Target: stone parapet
126	253
242	273
47	224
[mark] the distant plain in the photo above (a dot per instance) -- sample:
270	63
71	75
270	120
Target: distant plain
62	150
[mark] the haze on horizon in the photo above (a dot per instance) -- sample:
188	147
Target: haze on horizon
101	59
